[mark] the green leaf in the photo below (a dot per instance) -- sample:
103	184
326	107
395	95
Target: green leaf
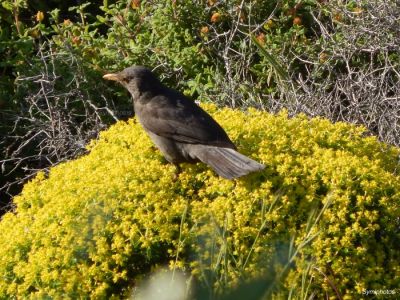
7	5
283	75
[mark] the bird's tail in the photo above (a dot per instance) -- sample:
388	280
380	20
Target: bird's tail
227	162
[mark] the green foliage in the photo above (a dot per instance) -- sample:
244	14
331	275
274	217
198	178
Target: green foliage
204	47
94	226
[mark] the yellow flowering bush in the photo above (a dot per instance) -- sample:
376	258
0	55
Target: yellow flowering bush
93	227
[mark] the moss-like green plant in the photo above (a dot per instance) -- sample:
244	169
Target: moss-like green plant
95	225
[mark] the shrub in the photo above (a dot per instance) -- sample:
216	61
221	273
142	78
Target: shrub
94	226
336	59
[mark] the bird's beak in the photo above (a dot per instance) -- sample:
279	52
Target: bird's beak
112	76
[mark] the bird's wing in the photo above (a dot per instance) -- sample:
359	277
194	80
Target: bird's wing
174	116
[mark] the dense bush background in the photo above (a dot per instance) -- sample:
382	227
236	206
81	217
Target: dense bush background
337	59
321	219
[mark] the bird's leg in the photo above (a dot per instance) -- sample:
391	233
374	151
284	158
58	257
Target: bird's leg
177	172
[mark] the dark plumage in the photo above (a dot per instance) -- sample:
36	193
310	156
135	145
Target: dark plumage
181	129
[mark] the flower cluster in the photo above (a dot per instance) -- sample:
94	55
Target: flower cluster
94	226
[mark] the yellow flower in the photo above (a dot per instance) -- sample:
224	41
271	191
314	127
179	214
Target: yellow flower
67	22
39	16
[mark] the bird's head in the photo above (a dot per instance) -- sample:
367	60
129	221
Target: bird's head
136	79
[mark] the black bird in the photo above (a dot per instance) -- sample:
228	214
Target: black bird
181	129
